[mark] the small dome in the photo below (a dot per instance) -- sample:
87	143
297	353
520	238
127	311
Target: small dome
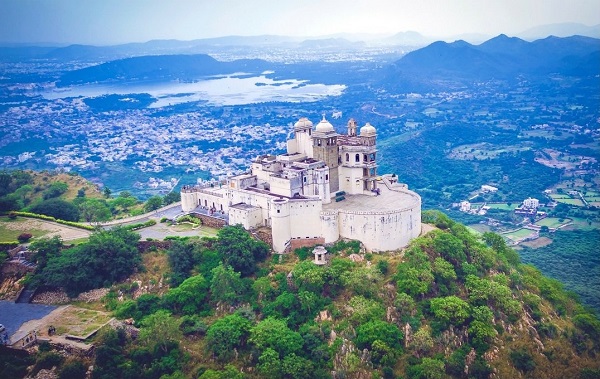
324	126
368	130
303	123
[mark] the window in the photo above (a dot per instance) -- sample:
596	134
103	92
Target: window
326	176
278	211
347	157
357	158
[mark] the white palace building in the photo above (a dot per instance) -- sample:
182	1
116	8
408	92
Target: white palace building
325	187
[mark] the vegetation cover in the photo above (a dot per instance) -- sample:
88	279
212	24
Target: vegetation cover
452	304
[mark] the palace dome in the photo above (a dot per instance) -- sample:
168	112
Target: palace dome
303	123
324	126
368	130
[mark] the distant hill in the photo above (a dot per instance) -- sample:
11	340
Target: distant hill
560	30
160	67
408	38
501	57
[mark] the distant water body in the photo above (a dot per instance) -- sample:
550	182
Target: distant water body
13	315
236	89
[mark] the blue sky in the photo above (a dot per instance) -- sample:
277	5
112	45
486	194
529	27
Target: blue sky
102	22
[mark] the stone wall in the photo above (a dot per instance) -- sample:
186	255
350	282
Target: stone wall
305	242
15	268
210	221
263	234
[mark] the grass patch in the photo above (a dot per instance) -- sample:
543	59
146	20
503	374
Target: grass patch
552	222
503	206
518	234
10	229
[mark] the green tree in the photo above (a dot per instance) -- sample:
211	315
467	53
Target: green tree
432	368
450	248
55	190
443	270
57	208
364	310
226	285
227	334
450	309
365	281
123	202
73	370
108	256
190	297
94	210
172	197
45	249
182	259
160	330
414	281
269	364
275	334
369	332
107	192
239	250
422	341
153	203
309	276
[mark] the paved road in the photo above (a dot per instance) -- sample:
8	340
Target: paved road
169	211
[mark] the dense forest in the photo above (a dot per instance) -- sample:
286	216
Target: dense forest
452	304
573	259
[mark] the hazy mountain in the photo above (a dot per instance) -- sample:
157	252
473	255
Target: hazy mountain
160	67
503	56
560	30
408	38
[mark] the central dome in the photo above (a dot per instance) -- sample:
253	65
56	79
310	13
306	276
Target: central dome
324	126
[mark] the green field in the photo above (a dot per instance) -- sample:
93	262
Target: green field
503	206
552	222
518	234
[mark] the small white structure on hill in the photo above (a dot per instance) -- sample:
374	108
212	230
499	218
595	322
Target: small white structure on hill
488	188
325	187
531	203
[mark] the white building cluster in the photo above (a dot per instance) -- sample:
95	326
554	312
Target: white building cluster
325	187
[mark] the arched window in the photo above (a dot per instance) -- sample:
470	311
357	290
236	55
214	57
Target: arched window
357	158
347	157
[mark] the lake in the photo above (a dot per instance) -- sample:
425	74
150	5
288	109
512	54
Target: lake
235	89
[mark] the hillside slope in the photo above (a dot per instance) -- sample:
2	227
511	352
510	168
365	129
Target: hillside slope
451	305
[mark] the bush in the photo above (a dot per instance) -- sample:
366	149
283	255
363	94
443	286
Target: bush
522	360
73	370
24	237
140	225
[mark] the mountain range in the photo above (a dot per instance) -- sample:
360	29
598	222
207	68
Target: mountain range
504	57
501	57
358	41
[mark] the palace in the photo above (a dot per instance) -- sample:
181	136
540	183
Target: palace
325	187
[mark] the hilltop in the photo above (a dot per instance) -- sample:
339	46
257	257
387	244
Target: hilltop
450	305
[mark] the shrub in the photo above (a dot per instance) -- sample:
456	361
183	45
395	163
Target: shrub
24	237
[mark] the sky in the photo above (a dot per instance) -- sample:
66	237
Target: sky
105	22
